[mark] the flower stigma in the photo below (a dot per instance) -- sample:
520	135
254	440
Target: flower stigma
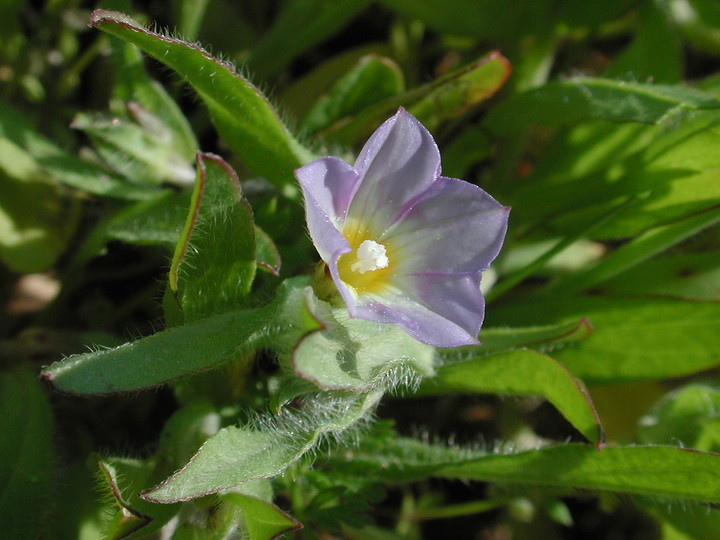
371	256
368	265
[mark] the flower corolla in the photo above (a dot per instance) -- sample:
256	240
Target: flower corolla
403	244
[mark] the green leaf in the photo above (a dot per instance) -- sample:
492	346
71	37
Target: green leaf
655	53
189	14
661	173
27	462
243	116
262	520
658	471
157	220
266	252
585	98
237	455
638	250
26	153
186	349
144	152
684	276
644	470
686	417
134	87
299	26
521	373
357	355
372	80
498	339
123	478
443	98
300	95
632	339
214	263
460	94
36	222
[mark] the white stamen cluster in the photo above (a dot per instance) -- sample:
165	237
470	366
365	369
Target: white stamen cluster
370	256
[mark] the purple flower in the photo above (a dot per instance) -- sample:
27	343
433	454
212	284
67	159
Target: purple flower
403	244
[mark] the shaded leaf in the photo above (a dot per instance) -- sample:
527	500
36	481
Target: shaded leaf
27	462
685	276
41	158
300	25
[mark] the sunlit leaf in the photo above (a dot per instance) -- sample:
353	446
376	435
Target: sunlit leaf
236	455
244	117
585	98
521	372
214	263
185	349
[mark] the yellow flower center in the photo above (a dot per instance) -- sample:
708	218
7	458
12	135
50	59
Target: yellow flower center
368	266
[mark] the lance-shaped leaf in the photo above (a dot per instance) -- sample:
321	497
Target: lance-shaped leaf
300	25
372	80
214	263
644	470
444	98
23	146
237	455
585	98
659	471
640	249
473	86
501	339
632	339
142	150
133	84
522	373
186	349
242	114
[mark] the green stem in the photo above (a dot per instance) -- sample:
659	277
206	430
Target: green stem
457	510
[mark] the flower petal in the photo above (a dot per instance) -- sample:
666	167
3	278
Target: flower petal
399	161
326	184
331	182
453	227
442	311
